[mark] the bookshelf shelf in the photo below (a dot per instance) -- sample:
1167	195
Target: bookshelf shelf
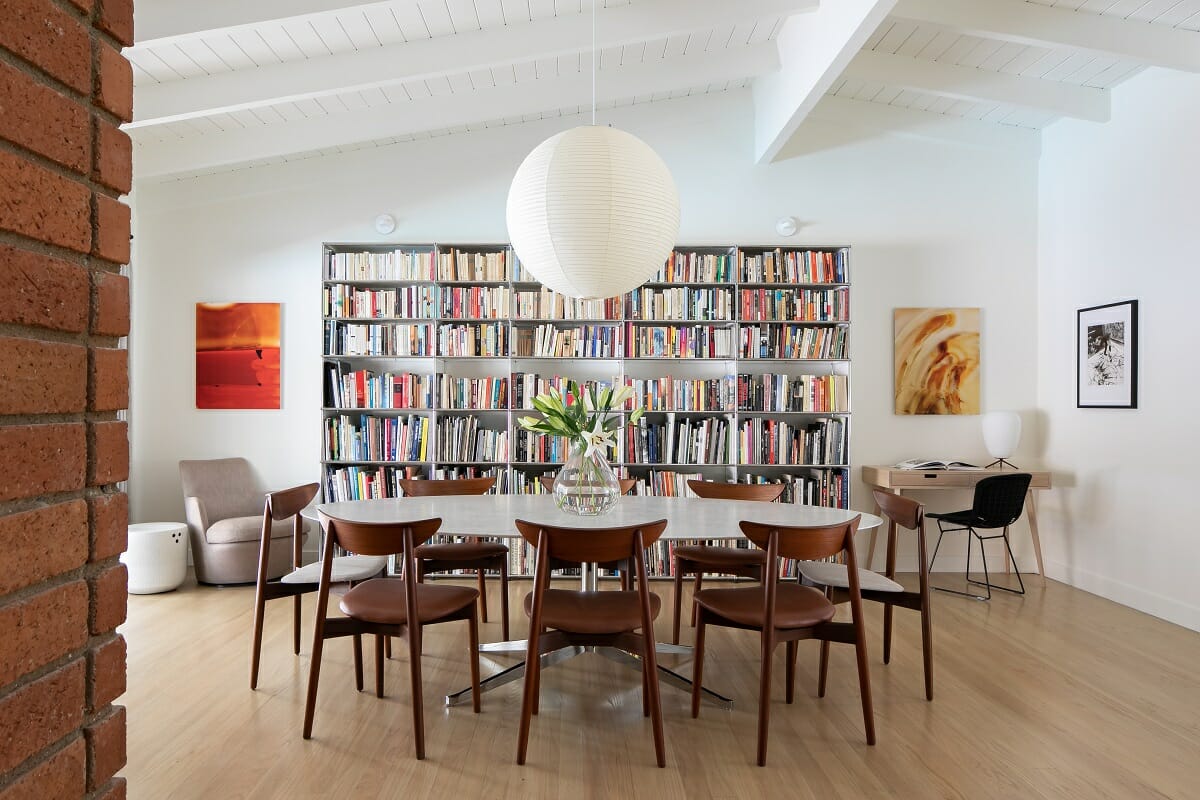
733	307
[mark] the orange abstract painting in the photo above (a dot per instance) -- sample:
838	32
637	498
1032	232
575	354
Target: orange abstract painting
237	355
937	360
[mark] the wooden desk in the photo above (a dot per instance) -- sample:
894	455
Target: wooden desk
896	481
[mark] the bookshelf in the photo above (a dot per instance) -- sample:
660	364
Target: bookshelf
740	356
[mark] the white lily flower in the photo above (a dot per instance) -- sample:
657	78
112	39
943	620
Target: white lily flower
621	394
597	439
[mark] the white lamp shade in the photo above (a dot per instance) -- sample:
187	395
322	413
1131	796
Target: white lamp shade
593	212
1001	433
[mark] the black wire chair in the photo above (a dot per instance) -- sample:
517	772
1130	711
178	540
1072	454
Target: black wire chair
998	503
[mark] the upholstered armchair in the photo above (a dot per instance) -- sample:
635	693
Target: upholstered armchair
223	502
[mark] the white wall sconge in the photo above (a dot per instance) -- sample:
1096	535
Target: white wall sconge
1001	434
787	226
385	224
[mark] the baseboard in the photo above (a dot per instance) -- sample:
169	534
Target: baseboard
1135	597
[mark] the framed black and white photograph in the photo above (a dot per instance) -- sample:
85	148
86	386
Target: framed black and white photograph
1106	344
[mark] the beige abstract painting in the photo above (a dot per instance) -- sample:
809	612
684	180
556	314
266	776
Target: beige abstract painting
937	360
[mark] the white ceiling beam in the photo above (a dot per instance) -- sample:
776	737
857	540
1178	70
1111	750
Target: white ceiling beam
980	85
428	58
168	21
157	159
1048	26
813	50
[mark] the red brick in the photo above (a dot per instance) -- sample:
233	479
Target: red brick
42	377
110	524
40	713
42	291
48	38
41	629
111	305
43	205
106	747
108	379
112	230
108	673
116	17
113	165
115	790
110	453
64	774
35	545
41	459
110	595
34	116
114	88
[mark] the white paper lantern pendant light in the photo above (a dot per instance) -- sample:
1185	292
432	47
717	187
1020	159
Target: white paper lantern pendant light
593	211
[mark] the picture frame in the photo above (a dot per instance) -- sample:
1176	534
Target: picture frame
1106	355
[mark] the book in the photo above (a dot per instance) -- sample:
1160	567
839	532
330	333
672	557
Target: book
918	463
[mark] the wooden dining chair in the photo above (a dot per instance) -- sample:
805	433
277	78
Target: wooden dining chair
281	507
388	607
560	618
900	512
476	553
699	559
787	612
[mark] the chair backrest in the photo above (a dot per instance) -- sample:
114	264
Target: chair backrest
601	545
289	502
902	511
1000	499
376	538
228	487
417	487
282	505
627	484
717	490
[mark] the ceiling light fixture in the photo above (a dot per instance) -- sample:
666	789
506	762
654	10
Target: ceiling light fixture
592	211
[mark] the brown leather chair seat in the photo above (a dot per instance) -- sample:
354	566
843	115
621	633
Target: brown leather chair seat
795	606
593	612
721	556
461	551
382	600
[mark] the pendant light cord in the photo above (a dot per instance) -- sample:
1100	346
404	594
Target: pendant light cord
594	61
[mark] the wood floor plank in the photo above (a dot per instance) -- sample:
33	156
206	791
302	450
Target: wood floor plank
1059	694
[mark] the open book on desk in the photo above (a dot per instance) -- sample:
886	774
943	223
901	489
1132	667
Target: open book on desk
919	463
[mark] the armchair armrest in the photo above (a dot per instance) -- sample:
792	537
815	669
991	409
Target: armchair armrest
196	515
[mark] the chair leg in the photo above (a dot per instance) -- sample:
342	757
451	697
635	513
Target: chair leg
927	648
887	633
379	665
864	680
1015	568
314	674
260	603
537	679
387	647
504	599
697	585
678	581
791	672
645	691
764	697
533	663
358	671
418	701
473	643
650	668
823	671
936	547
296	624
698	665
482	597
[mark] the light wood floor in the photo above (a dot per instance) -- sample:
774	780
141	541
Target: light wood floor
1058	694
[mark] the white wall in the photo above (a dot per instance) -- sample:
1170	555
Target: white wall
931	223
1118	221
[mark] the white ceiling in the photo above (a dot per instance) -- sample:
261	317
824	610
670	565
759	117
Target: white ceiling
228	84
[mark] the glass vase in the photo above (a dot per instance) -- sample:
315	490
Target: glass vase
586	485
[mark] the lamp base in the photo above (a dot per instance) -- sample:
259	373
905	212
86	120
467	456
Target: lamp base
1000	463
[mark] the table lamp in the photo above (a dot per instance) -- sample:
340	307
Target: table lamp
1001	432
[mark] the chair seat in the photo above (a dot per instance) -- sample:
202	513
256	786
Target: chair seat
245	529
824	573
967	517
461	551
795	606
345	568
592	612
382	600
722	556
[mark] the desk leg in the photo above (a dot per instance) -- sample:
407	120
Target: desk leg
1031	509
875	532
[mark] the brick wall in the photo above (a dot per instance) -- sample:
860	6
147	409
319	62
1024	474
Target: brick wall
64	234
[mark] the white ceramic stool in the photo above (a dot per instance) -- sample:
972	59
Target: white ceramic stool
157	556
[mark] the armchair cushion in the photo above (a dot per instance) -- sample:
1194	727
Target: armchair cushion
245	529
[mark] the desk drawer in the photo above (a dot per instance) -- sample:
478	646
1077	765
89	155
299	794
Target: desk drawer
911	479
